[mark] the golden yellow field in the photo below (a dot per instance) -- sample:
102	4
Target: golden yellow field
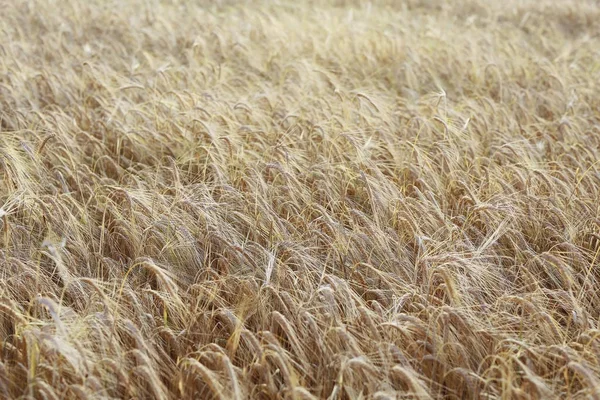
295	200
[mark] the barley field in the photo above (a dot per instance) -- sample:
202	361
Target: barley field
334	199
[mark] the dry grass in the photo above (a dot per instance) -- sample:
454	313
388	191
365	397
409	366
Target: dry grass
298	200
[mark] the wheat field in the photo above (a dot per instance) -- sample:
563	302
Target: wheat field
299	200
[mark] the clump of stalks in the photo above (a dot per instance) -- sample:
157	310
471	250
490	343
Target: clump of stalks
337	199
